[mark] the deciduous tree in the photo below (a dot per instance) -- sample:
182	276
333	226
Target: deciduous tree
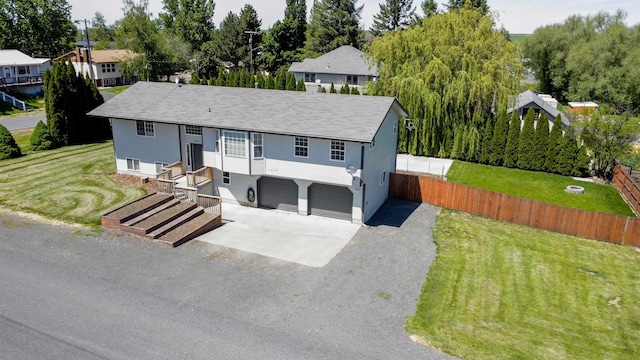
190	20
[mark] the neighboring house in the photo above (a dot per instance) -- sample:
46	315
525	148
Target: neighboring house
530	100
582	108
21	72
105	67
319	154
344	65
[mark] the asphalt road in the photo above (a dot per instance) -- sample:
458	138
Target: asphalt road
30	121
70	293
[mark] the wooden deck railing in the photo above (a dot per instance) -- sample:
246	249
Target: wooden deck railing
184	194
166	186
194	178
211	204
176	169
165	175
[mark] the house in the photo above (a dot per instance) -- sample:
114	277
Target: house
105	65
582	108
21	72
540	105
319	154
344	65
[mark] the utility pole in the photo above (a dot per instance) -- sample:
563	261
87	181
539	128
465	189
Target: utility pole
86	32
251	48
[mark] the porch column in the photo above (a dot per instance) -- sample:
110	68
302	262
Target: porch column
357	212
303	196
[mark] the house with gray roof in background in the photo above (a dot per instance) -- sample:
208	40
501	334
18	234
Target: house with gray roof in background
344	65
333	159
541	104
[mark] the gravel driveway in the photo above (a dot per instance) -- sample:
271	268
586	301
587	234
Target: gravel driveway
202	299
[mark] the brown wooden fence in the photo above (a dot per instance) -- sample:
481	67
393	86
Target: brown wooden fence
590	224
628	187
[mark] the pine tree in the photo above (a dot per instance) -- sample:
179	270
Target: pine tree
345	89
554	145
499	140
322	90
540	143
40	138
8	147
485	145
260	80
300	86
355	91
567	157
582	162
333	23
525	145
194	79
280	81
221	79
269	82
249	80
290	82
474	4
394	15
332	89
511	150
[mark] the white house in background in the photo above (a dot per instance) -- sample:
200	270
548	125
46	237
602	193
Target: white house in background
21	72
344	65
540	105
105	65
320	154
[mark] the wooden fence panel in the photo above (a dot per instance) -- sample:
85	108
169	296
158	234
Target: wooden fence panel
489	204
629	189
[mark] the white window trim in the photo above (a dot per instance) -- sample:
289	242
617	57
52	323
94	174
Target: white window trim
144	126
344	151
133	162
193	130
253	150
226	177
295	145
244	147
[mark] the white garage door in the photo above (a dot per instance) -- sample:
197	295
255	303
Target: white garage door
281	194
330	201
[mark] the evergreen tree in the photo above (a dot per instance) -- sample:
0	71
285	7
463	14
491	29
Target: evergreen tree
290	82
228	43
394	15
40	138
56	102
499	140
540	143
194	79
300	86
249	21
203	81
345	89
250	80
260	80
279	81
554	145
567	157
211	81
283	43
485	145
333	23
525	145
332	89
355	91
582	162
322	90
511	150
269	82
474	4
221	79
8	147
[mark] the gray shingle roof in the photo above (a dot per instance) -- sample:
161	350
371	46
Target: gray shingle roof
529	97
329	116
343	60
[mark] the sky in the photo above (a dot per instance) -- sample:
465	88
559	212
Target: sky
517	16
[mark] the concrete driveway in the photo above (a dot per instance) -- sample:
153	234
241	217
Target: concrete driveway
306	240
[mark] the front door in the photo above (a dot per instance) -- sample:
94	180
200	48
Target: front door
195	158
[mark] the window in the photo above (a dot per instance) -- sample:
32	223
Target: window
107	68
308	77
383	177
352	79
144	128
395	126
133	164
193	130
159	166
337	150
234	144
257	146
226	177
302	147
24	70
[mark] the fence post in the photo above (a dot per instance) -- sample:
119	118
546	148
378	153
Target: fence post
624	232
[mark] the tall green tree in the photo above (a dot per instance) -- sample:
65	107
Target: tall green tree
525	145
511	149
228	43
499	140
9	149
394	15
37	27
284	42
582	163
333	23
567	157
189	20
100	32
554	145
250	22
453	68
472	4
540	143
487	142
429	8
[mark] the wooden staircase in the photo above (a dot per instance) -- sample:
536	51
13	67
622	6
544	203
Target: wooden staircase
162	218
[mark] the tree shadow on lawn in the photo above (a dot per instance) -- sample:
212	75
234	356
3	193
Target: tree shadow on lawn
393	213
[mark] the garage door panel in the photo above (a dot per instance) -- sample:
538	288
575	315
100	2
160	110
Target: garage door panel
330	201
275	193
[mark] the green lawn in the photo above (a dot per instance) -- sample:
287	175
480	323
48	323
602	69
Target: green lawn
115	89
22	139
503	291
548	188
518	38
68	184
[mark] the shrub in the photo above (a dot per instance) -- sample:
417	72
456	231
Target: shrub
8	147
40	138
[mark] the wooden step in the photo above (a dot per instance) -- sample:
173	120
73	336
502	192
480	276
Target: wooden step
160	219
134	209
157	233
199	225
168	204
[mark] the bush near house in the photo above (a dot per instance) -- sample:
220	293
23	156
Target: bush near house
8	147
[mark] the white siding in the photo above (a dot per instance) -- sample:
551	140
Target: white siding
209	138
163	147
236	191
188	139
238	165
258	166
382	157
